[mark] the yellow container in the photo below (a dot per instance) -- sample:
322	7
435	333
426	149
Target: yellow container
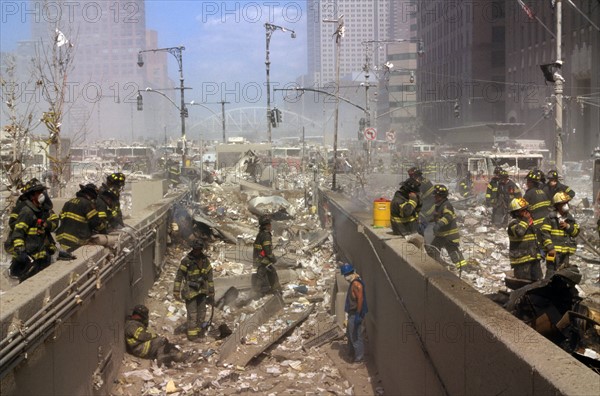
381	212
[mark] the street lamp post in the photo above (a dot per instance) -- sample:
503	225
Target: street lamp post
177	52
222	103
339	34
270	28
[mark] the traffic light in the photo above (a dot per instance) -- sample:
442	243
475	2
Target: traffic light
273	118
279	115
362	124
420	47
140	103
412	77
456	109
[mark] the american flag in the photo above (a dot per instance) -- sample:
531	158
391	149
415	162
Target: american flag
527	10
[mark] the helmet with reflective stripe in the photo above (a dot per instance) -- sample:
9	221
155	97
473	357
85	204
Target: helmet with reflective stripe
264	220
411	185
560	197
553	175
534	175
346	269
117	178
32	185
142	311
518	204
503	174
497	170
89	189
441	190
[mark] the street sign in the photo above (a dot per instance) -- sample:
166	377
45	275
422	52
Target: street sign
390	136
370	133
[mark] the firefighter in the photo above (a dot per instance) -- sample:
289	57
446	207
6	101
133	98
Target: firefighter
507	191
115	183
79	219
194	284
30	242
445	229
426	196
491	192
536	198
142	343
405	208
108	211
465	185
356	307
267	279
524	252
558	234
554	185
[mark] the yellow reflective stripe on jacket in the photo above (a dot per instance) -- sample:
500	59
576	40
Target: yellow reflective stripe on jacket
538	205
526	237
91	214
447	233
22	225
523	259
72	216
404	220
67	237
18	242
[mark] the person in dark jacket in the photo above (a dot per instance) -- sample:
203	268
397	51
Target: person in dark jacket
356	308
267	280
554	186
559	231
194	284
524	252
30	241
142	343
115	183
507	191
425	196
405	208
107	205
465	186
79	219
445	228
538	201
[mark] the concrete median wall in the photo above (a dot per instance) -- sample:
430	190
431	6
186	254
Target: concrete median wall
431	333
64	326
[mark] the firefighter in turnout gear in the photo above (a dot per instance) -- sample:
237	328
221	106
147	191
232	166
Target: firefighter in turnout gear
425	195
465	185
30	241
194	284
405	208
142	343
538	201
445	228
554	186
267	279
558	234
507	191
115	183
108	210
79	219
491	192
524	252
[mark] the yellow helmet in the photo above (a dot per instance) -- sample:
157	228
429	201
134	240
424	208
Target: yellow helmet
560	197
518	204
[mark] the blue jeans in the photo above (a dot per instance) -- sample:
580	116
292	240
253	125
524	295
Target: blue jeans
355	337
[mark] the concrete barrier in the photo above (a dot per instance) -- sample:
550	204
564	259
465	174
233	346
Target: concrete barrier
62	331
431	333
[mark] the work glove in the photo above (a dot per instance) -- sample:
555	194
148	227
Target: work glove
210	300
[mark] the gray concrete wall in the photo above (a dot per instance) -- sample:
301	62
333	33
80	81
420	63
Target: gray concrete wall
80	350
430	333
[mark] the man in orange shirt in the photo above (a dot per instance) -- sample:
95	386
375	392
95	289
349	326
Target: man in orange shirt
356	307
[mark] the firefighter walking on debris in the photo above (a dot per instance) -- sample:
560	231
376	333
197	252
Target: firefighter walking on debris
491	193
445	228
558	234
194	284
524	252
554	186
507	191
267	279
356	308
142	343
536	198
405	208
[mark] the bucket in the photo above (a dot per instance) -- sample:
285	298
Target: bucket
381	212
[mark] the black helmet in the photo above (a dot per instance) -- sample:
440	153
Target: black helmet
497	170
32	185
197	243
89	189
264	220
116	178
415	172
503	174
534	175
411	185
142	311
441	190
552	175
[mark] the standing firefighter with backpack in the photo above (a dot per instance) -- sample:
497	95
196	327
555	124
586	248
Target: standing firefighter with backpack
194	284
267	280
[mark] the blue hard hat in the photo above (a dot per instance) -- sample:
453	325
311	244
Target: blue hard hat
347	269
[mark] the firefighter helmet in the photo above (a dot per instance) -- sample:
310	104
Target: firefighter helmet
441	190
518	204
497	170
89	189
411	185
264	220
414	172
346	269
534	175
142	311
32	185
552	175
503	174
116	178
560	198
